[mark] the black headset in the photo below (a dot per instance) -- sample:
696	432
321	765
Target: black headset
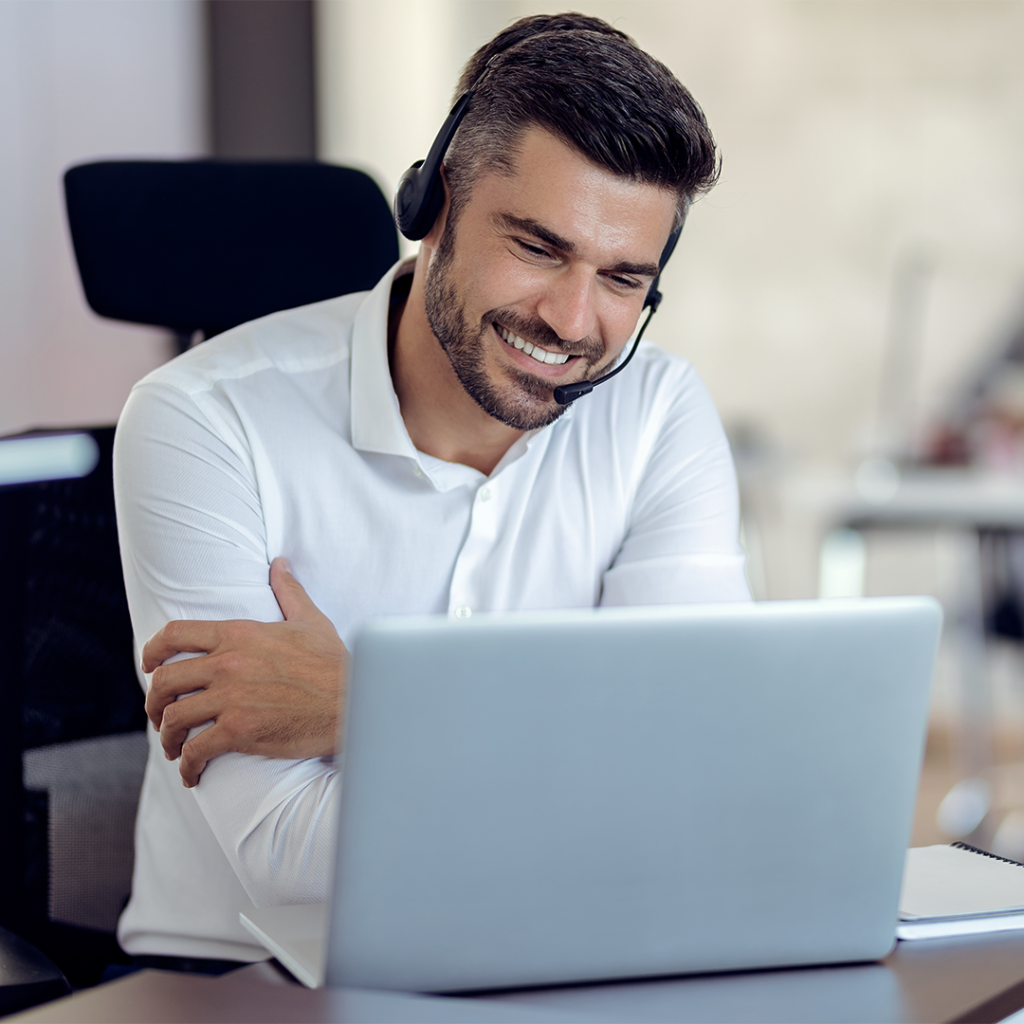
420	196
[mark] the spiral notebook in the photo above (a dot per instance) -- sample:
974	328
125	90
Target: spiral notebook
959	890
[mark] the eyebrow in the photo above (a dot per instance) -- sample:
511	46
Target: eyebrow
531	227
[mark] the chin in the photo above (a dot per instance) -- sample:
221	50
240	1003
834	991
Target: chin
523	404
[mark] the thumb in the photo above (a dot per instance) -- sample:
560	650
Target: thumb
292	598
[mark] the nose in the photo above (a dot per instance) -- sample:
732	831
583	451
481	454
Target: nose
568	305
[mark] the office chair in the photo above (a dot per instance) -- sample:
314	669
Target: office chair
196	247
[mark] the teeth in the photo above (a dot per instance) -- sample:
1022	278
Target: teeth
540	354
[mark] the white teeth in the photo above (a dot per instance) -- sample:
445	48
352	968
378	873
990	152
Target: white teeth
538	353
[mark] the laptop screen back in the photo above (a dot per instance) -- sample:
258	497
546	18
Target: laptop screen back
556	797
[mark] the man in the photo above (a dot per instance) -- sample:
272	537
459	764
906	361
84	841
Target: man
404	450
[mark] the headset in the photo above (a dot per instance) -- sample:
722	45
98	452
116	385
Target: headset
420	196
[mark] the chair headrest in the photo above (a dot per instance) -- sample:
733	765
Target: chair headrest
208	244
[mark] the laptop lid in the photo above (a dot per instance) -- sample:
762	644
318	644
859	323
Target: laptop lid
555	797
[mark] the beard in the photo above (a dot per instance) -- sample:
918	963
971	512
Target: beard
523	401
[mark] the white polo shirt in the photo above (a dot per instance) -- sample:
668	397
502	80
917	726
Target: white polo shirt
284	437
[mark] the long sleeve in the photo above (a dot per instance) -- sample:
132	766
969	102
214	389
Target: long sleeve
194	545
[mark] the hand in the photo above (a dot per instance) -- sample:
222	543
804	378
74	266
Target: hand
271	688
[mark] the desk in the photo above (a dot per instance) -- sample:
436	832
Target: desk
980	978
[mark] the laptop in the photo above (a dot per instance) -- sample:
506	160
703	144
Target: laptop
565	796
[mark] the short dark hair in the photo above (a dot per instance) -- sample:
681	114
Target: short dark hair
592	87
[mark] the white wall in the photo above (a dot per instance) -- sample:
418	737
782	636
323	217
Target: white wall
854	135
386	72
80	80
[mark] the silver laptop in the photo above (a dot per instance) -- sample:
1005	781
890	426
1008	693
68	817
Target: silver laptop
544	798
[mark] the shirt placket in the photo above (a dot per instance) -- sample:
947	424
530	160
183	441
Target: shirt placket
464	597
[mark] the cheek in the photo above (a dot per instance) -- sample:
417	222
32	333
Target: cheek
618	323
497	280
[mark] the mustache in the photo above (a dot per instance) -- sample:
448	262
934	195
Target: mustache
537	332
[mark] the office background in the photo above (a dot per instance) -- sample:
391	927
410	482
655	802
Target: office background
854	273
856	136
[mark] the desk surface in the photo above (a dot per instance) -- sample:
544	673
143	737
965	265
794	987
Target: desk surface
980	978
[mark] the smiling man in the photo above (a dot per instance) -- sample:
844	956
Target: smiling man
405	451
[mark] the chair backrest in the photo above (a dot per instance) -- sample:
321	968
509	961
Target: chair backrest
208	244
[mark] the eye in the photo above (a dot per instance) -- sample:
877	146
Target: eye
532	250
625	283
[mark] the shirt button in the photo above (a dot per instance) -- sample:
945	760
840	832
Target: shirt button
463	612
485	494
417	471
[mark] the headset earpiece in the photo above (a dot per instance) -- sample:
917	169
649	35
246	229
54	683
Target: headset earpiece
420	193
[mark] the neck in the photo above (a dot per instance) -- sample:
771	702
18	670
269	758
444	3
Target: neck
441	418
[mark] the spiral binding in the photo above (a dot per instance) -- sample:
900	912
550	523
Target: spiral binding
985	853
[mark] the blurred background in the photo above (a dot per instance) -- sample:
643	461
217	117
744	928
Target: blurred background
852	292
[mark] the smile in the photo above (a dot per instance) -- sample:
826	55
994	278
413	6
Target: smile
542	355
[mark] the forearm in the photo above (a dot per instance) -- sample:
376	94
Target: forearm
276	821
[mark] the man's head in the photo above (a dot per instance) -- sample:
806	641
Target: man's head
543	278
577	158
594	89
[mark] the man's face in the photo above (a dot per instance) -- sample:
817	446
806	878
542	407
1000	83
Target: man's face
543	278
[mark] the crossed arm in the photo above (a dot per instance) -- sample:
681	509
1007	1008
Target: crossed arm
271	688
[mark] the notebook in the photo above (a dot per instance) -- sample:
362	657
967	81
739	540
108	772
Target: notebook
559	797
959	890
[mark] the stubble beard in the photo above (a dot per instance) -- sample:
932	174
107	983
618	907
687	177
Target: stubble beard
525	402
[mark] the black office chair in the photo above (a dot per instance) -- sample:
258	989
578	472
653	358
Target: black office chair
204	245
194	246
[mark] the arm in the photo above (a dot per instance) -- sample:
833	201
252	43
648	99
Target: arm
275	689
682	544
194	545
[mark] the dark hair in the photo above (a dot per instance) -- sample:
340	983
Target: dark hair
592	87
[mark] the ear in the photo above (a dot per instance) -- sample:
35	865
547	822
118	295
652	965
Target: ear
432	239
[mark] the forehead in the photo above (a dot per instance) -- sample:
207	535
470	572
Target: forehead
594	208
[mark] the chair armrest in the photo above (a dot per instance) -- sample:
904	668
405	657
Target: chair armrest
27	978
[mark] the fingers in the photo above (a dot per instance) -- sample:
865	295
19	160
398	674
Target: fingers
229	732
199	750
291	596
182	716
183	635
172	681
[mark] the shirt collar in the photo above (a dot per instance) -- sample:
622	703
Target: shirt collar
377	424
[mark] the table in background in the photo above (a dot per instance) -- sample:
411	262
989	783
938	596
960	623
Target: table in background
979	507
